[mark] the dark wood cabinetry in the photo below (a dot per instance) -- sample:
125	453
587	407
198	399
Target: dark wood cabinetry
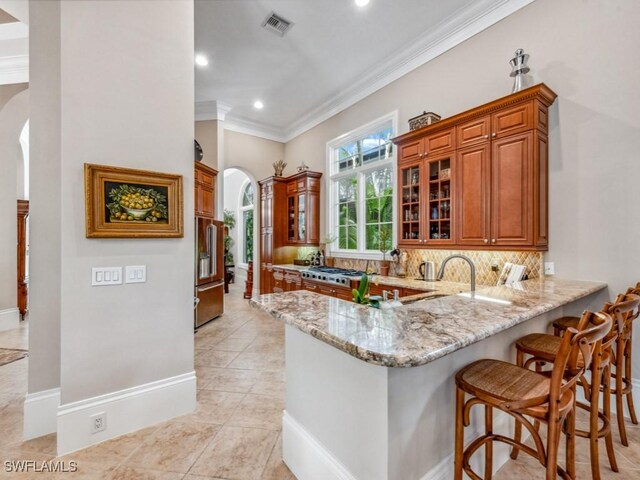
23	273
205	190
290	217
478	179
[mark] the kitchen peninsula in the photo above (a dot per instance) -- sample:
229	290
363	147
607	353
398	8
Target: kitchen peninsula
353	408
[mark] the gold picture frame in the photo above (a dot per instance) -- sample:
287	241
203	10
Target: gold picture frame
128	203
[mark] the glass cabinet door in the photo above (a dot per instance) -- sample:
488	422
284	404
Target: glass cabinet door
302	218
410	204
291	218
440	195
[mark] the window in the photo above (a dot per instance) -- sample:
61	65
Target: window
246	213
361	180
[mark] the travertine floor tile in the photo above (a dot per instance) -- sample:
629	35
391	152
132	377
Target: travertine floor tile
259	411
174	447
276	468
237	453
233	380
214	358
128	473
214	407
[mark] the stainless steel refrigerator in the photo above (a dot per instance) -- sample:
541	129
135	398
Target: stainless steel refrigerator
209	282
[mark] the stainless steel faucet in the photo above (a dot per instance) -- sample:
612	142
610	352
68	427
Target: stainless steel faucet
466	259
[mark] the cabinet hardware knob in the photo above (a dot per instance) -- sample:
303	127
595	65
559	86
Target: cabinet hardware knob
493	134
493	240
486	136
486	240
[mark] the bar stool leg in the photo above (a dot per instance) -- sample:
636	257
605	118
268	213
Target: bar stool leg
517	433
596	375
606	409
553	437
620	360
488	447
570	440
459	434
627	376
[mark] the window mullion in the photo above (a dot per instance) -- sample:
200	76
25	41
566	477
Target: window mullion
361	212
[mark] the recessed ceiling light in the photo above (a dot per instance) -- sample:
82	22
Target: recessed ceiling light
362	3
201	61
258	104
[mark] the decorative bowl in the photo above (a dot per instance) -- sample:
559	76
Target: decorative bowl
138	214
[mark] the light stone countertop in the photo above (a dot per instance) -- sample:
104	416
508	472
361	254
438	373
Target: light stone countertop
291	266
421	332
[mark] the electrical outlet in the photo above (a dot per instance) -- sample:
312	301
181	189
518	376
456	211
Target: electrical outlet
549	268
98	422
495	267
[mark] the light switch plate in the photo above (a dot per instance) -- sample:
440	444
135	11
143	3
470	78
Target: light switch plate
135	274
549	268
104	276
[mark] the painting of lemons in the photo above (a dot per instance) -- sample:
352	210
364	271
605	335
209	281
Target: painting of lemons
135	203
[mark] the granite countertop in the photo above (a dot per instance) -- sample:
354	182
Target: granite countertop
421	332
291	266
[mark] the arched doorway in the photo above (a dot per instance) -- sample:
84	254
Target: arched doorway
240	210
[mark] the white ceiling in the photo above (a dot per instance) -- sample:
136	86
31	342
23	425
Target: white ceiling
335	54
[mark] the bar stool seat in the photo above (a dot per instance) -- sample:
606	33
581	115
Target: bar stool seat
505	382
543	346
561	324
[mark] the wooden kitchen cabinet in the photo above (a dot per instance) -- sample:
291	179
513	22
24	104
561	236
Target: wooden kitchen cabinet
336	291
497	160
205	190
289	216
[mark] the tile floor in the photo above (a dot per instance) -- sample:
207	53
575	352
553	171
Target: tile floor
235	433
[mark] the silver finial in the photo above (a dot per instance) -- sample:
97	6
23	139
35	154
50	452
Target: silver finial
519	69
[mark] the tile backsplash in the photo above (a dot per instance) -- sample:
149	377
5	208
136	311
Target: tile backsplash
458	270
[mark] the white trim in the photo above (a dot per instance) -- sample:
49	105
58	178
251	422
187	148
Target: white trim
255	129
40	413
14	69
452	31
212	110
330	180
13	31
9	318
306	457
126	411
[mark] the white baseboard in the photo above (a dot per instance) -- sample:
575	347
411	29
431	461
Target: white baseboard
126	411
9	318
307	458
40	413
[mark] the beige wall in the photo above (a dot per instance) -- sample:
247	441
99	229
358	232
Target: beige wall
594	123
206	133
112	109
14	111
582	50
254	155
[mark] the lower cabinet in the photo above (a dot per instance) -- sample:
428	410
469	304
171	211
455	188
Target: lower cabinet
337	291
283	280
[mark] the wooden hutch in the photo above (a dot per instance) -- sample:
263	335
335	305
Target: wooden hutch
205	190
289	217
479	179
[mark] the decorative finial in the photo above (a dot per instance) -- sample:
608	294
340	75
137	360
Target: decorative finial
519	69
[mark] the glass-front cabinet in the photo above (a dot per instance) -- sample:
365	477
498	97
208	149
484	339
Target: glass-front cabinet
411	214
440	196
301	223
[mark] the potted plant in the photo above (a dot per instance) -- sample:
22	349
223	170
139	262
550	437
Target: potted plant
384	245
229	224
326	241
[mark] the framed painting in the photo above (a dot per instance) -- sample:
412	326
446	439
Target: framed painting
128	203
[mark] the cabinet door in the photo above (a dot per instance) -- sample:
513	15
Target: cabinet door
266	211
473	195
509	121
439	142
205	200
313	217
411	151
511	191
310	286
411	182
278	281
326	290
207	178
301	218
292	218
343	294
439	188
474	132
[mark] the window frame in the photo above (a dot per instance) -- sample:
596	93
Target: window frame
240	222
332	178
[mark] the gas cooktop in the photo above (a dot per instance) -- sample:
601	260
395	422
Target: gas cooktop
340	276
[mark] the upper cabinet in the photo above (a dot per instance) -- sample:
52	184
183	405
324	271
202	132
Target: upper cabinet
303	209
205	190
479	179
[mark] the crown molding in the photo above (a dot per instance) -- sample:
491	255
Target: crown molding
452	31
14	69
212	110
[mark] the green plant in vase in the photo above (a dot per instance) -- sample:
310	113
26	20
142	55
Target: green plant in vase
384	245
361	294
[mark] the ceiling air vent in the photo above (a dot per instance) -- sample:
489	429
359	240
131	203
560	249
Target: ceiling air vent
276	24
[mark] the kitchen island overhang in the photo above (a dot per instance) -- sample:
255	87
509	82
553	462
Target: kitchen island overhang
354	410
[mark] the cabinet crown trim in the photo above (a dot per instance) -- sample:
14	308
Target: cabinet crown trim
540	92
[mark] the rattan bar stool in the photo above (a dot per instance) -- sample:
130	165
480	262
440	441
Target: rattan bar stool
622	361
517	391
543	348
